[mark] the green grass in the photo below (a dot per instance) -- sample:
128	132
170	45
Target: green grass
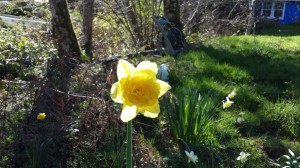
279	30
265	72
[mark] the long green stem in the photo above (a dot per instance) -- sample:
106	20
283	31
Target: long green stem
129	145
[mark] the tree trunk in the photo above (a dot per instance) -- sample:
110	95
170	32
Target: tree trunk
172	12
134	25
251	18
63	33
59	69
43	143
87	27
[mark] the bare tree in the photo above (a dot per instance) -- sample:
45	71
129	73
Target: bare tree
47	138
87	27
211	16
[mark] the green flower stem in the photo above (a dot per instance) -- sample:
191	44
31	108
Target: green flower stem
129	145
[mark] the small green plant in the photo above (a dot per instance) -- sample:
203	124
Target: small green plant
37	154
114	153
291	161
190	114
109	153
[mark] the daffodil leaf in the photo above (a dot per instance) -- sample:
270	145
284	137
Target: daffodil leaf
291	152
286	156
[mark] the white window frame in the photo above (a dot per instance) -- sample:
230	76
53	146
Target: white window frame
273	11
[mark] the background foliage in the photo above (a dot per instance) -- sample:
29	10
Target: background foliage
263	69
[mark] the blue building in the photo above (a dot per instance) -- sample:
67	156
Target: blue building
281	11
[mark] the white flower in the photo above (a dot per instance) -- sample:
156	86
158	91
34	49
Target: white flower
192	157
227	103
243	157
240	120
232	94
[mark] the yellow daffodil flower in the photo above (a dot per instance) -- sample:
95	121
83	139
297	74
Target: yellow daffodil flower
232	94
138	89
243	157
227	103
41	116
192	157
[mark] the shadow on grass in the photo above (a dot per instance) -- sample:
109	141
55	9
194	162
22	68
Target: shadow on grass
278	30
272	72
270	76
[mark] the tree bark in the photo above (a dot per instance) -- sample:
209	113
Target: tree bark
87	27
251	18
46	139
63	33
172	12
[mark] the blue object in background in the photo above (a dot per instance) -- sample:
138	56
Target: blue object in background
291	13
163	73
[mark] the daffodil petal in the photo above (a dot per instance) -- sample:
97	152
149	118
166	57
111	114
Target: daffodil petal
128	113
147	65
164	87
151	111
116	93
124	69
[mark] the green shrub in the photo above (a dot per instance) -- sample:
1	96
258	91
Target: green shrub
190	113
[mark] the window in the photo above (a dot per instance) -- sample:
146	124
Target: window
267	7
278	9
273	10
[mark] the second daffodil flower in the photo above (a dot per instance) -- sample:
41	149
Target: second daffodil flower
41	116
191	157
227	103
243	157
138	89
